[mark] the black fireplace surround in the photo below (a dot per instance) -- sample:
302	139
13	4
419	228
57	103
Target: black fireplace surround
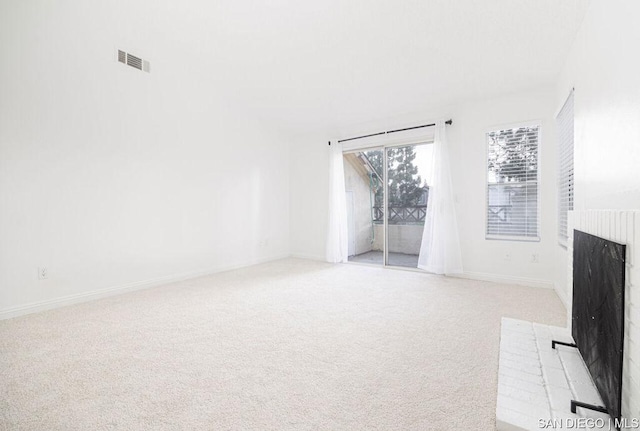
598	313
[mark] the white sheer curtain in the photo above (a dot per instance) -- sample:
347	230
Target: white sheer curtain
337	239
440	249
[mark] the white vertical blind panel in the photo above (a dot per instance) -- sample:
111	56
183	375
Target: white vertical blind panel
565	166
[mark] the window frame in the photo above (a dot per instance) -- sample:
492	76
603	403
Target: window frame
497	128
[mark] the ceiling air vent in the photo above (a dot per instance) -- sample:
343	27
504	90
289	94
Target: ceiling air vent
133	61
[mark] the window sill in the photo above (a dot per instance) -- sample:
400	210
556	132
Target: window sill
512	238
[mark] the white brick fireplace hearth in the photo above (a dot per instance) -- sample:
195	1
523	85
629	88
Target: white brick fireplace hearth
537	383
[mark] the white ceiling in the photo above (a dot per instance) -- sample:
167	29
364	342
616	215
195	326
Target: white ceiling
322	65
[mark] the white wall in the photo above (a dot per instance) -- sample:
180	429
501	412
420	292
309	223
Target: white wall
309	189
357	184
605	76
481	258
605	71
403	238
510	259
111	177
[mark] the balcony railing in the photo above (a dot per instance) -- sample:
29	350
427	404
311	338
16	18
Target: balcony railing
401	215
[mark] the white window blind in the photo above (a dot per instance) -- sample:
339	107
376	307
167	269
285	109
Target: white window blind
565	166
512	184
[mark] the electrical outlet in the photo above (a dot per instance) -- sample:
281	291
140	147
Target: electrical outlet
535	258
43	273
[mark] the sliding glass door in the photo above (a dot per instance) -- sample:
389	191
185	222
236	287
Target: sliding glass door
364	183
407	199
387	197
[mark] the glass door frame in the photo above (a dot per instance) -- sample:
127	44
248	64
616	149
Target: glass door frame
384	195
385	179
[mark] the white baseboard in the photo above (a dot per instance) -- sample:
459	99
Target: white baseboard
77	298
308	256
496	278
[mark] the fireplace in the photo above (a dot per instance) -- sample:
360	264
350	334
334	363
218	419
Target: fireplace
622	227
603	370
598	313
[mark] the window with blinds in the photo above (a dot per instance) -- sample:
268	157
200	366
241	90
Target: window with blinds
512	184
565	167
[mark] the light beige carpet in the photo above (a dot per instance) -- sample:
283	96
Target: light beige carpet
288	345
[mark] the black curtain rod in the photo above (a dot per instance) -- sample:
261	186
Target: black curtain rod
393	131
